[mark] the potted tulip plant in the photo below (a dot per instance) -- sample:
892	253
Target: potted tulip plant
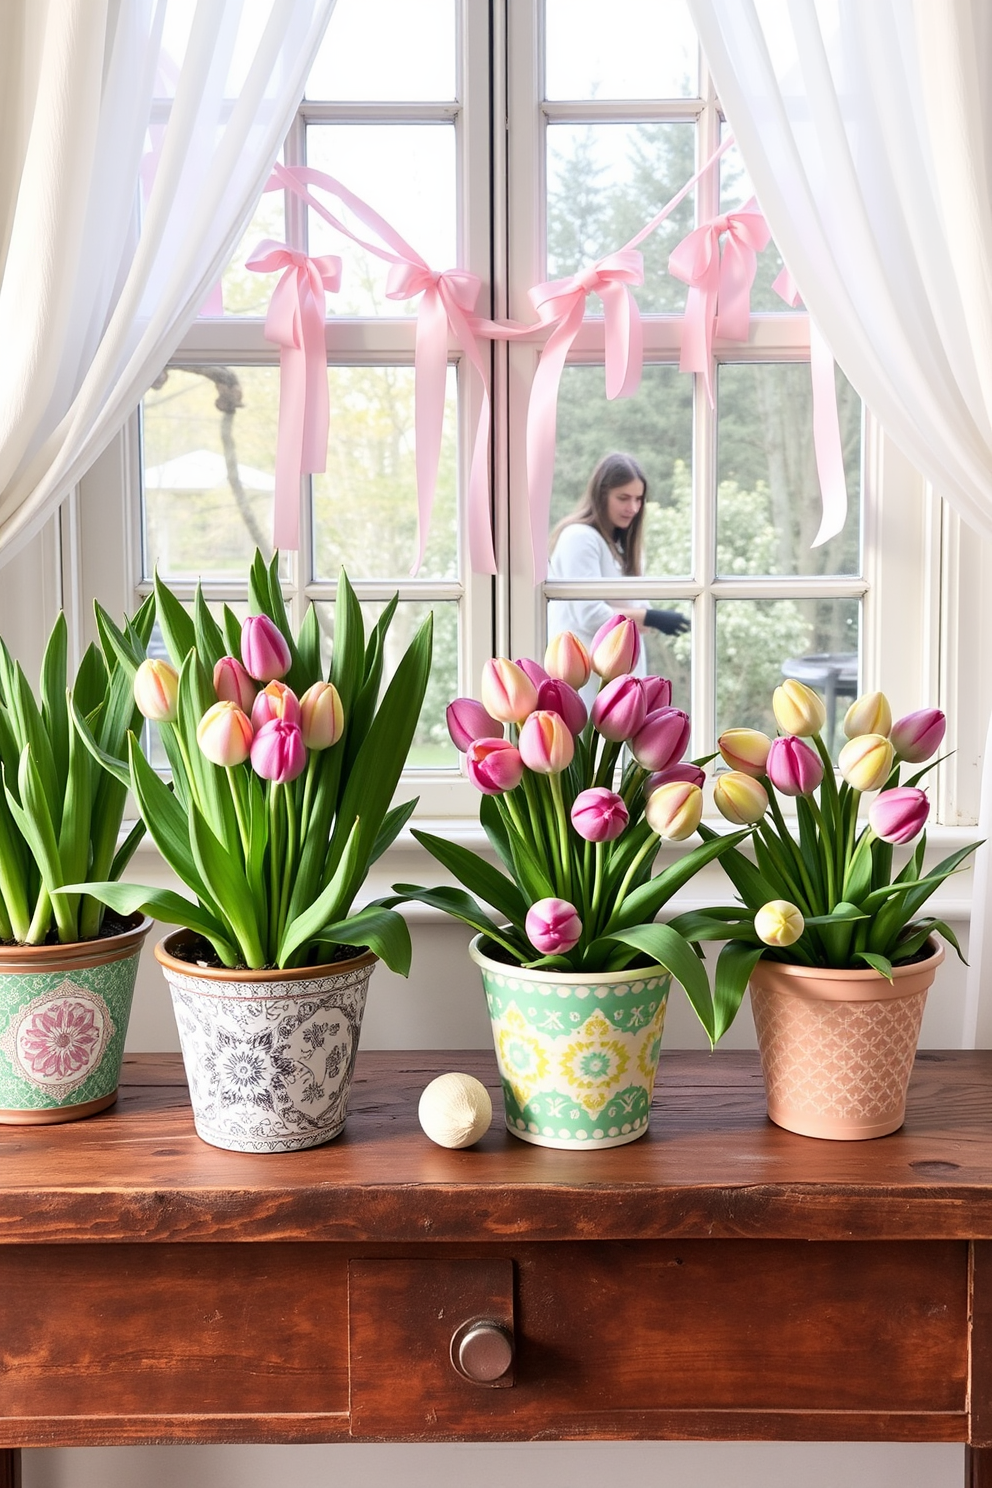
280	800
67	968
829	934
575	970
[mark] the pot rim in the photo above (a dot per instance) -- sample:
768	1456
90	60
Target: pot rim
99	951
242	974
866	974
540	974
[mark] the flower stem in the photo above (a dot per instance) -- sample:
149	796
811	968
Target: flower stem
564	846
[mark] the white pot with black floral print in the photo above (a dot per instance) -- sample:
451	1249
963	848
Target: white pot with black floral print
269	1055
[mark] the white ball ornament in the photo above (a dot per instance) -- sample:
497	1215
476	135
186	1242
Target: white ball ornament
455	1110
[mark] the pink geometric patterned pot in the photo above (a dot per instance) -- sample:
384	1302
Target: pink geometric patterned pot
837	1047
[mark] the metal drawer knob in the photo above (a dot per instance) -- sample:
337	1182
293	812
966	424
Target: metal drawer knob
482	1351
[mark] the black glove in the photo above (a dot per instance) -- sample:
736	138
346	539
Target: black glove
669	622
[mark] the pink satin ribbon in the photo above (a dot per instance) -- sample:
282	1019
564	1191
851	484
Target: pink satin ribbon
295	323
827	445
719	299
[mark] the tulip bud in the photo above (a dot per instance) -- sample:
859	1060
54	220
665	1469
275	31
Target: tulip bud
553	926
615	648
899	815
532	669
798	709
264	650
232	683
468	720
687	772
674	811
321	716
224	734
871	714
662	739
567	659
779	923
657	693
493	766
545	744
618	709
866	762
156	690
740	798
278	752
508	694
275	700
745	749
558	697
919	735
599	815
793	767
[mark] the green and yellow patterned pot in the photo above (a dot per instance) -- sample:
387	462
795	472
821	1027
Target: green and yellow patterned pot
577	1054
63	1020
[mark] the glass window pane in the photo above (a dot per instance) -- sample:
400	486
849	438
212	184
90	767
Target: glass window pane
244	292
432	748
365	507
604	183
645	49
768	502
655	427
760	641
208	470
406	172
735	191
398	50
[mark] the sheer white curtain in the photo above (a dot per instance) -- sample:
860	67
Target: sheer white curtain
865	127
137	136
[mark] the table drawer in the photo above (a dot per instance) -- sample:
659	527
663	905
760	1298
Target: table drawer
685	1339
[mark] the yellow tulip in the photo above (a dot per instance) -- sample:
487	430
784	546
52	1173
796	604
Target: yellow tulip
779	923
740	798
870	714
866	762
798	709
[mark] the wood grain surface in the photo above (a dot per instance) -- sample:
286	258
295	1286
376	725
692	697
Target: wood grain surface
711	1166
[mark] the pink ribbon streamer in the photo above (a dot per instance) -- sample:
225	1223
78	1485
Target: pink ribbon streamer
827	445
719	299
295	323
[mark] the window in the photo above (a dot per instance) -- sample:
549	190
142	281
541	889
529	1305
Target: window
522	142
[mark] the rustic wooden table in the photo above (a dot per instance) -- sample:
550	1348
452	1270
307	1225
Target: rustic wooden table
718	1279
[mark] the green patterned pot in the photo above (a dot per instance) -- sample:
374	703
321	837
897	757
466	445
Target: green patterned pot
63	1020
577	1054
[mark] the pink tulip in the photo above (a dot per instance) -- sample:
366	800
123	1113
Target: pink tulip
662	740
557	697
278	752
532	669
618	709
321	716
232	683
674	810
567	659
615	648
899	815
264	650
745	749
553	926
156	690
919	735
275	700
493	766
688	773
546	746
468	720
793	767
224	734
508	694
599	815
657	693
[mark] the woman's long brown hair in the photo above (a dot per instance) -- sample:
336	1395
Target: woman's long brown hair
612	471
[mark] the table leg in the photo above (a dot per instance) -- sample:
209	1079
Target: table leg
978	1467
10	1467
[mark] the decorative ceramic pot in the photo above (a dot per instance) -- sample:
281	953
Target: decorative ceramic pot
269	1055
577	1052
837	1047
63	1020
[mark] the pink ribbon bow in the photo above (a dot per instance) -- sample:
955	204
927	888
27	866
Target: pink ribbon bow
719	299
561	303
295	323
